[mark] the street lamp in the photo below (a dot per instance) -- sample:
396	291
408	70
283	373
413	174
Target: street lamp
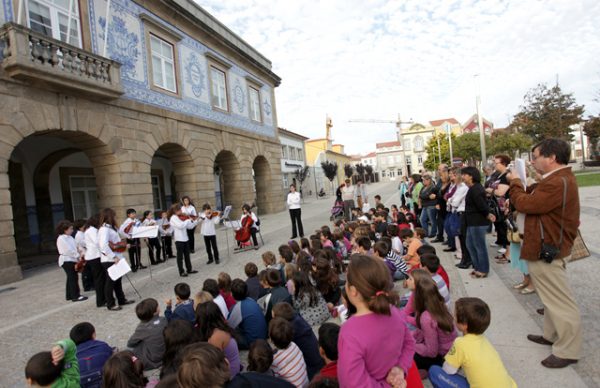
480	123
449	132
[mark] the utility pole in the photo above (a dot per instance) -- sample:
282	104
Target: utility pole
480	124
449	131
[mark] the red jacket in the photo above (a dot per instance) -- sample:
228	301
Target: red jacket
329	371
442	272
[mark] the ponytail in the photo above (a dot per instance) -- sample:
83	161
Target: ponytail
371	278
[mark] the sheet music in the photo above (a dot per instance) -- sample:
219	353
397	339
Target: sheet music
521	171
226	212
119	270
145	232
235	224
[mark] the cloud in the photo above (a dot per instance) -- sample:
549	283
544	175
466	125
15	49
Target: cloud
373	60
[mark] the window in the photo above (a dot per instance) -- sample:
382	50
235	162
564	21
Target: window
285	181
50	17
418	143
156	193
284	152
83	196
292	153
254	96
408	160
407	144
163	64
219	88
419	159
301	154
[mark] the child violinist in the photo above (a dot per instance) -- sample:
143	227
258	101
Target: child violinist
153	243
181	223
209	221
165	231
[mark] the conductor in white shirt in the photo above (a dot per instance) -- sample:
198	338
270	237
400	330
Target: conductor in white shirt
293	202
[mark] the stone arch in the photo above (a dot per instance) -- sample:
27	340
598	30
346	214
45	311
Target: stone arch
182	179
228	169
262	184
14	141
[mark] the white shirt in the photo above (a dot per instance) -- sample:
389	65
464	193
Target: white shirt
165	232
457	201
125	224
189	210
254	220
348	193
220	301
80	242
180	228
67	249
107	234
91	243
208	225
293	200
397	244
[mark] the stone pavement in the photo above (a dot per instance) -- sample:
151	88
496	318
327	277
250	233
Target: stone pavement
35	313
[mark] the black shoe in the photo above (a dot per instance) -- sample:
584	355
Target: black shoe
143	266
155	263
115	308
463	266
81	298
171	257
216	261
293	237
437	240
449	250
192	251
301	236
134	269
126	302
183	274
192	271
209	262
88	289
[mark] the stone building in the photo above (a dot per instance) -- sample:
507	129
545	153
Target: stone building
176	104
292	158
413	141
389	157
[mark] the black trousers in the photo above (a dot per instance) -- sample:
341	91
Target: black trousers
501	232
99	277
183	254
72	289
111	286
87	278
296	216
462	237
154	245
191	239
167	245
427	362
440	219
211	247
135	252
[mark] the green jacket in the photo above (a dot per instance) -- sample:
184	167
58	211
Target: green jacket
415	193
69	378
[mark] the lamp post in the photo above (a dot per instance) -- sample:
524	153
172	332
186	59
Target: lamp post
480	123
449	132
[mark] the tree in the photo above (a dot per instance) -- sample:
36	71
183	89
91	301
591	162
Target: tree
592	131
301	174
330	170
509	143
468	147
360	170
431	148
348	170
369	171
547	113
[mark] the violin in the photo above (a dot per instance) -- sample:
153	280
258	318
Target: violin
119	247
185	217
213	214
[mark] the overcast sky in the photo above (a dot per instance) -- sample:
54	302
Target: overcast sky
377	59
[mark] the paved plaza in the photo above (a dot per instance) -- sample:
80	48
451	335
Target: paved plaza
34	312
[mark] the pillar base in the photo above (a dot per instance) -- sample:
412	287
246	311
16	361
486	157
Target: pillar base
10	274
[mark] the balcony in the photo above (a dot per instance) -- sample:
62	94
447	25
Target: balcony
51	64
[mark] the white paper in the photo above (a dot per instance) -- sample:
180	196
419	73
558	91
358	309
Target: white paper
117	271
521	171
232	224
226	212
145	231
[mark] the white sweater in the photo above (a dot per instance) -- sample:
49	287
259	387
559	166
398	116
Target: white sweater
67	249
107	234
293	200
91	243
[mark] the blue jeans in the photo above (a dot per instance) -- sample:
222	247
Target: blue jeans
428	214
478	248
441	379
451	236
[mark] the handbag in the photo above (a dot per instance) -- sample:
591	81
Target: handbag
454	223
580	250
512	231
549	252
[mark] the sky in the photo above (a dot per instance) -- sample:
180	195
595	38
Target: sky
422	59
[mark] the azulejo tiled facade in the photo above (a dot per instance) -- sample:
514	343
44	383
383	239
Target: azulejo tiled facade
69	150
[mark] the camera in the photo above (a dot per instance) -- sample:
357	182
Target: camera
549	253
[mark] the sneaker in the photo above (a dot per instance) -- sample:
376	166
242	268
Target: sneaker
80	299
502	251
209	262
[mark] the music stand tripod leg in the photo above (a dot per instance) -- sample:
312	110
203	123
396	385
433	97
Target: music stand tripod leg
132	286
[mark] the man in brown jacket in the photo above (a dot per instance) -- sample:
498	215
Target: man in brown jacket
544	207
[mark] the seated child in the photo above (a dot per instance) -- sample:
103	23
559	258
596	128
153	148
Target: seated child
201	297
270	262
57	368
212	287
147	341
431	264
286	254
246	317
421	234
255	290
326	237
380	250
124	369
304	337
328	339
392	232
260	359
184	307
288	362
277	292
413	243
473	352
441	271
400	266
91	353
402	222
363	246
224	282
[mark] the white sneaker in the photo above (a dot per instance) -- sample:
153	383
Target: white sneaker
494	245
502	250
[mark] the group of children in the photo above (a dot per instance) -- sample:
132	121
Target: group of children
341	283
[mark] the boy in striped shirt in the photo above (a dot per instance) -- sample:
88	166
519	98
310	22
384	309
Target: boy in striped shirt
288	362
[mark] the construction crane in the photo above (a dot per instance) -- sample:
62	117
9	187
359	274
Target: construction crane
398	122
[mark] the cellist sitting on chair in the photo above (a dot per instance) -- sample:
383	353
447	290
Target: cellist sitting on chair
249	227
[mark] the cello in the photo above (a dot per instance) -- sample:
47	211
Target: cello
243	234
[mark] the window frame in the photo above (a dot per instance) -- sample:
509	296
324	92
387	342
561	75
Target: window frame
214	62
252	87
163	60
54	18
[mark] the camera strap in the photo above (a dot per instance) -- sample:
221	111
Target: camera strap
564	204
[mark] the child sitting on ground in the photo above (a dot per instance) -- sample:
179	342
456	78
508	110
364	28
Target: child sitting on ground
363	246
380	250
57	368
124	369
147	342
413	243
212	287
254	288
91	353
326	237
441	271
288	362
400	266
286	254
201	297
184	307
328	339
270	262
224	282
277	294
431	263
472	352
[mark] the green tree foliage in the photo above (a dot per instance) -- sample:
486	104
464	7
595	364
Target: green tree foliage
329	169
509	143
467	147
547	112
433	159
592	131
369	171
360	170
348	170
301	174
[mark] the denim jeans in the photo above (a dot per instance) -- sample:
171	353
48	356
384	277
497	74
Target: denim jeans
428	215
441	379
477	248
451	236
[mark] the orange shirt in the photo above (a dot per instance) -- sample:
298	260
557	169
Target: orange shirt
412	258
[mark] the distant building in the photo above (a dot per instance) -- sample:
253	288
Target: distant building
389	157
471	125
292	156
447	125
414	139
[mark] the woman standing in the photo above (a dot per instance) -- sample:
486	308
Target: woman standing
478	217
111	251
293	202
414	191
188	209
403	188
92	258
442	210
68	257
428	198
456	206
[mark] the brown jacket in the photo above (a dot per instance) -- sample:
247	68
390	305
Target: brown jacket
544	205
